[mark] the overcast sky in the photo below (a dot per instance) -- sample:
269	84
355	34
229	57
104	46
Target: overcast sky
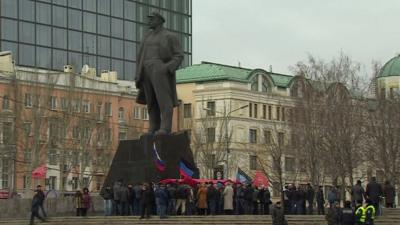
280	33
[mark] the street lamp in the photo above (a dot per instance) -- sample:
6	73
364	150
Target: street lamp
226	116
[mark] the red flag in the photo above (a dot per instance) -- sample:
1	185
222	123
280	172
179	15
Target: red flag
260	179
39	172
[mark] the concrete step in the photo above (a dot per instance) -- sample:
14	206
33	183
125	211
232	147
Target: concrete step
196	220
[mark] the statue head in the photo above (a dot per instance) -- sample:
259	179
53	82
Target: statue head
155	20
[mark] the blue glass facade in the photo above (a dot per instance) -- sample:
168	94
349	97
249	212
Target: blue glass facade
101	33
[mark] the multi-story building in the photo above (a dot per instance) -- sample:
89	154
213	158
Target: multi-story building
103	34
70	123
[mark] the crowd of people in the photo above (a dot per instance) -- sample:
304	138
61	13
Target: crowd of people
182	199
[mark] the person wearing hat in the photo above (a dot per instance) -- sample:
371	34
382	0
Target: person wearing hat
160	55
36	201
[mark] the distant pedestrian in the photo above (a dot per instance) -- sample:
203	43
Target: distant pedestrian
357	193
333	196
136	203
117	202
42	197
389	193
212	199
347	215
36	201
310	194
278	216
228	198
131	200
107	195
171	188
146	201
181	198
78	200
161	194
320	201
202	199
374	193
333	217
86	201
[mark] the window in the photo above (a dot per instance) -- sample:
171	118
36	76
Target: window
117	28
289	164
89	22
28	100
59	16
130	50
27	128
264	85
74	40
108	134
52	157
264	112
60	39
26	182
27	155
6	102
283	114
25	55
145	113
103	6
64	104
270	112
98	110
210	135
210	108
136	112
121	114
108	109
9	8
76	105
26	31
75	59
122	135
89	5
255	110
7	133
253	136
86	106
104	46
43	13
118	66
278	113
187	110
43	35
103	26
267	136
75	3
5	170
253	162
130	30
43	57
250	109
87	131
26	10
281	138
9	29
117	47
75	19
254	83
75	183
52	182
53	102
130	10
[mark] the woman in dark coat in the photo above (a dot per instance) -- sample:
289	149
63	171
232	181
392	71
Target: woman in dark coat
86	201
389	194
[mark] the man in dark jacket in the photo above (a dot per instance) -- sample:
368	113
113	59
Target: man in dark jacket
374	192
107	195
123	200
172	199
131	199
357	193
212	198
42	197
310	198
146	200
161	194
389	193
278	217
320	201
36	201
348	217
138	193
248	199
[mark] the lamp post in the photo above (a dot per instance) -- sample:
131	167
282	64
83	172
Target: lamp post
226	116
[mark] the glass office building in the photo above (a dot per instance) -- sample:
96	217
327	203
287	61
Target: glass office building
104	34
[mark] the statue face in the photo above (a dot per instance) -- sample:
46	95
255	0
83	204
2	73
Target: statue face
155	21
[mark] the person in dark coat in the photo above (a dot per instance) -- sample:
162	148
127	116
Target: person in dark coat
310	194
36	201
172	199
117	202
267	200
334	215
146	201
131	200
348	214
301	201
123	194
161	194
42	197
107	195
160	55
138	193
86	201
255	201
389	193
320	201
374	192
357	193
248	199
212	198
278	217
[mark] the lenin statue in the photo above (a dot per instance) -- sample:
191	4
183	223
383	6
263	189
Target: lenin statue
159	57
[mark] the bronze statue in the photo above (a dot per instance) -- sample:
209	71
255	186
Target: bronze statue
159	57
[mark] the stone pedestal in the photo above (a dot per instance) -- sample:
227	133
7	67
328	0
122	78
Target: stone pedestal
134	160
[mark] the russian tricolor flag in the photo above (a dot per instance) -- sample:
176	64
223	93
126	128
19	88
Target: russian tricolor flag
160	165
184	169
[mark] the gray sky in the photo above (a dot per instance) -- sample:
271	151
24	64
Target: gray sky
280	33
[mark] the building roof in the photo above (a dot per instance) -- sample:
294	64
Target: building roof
207	71
391	68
